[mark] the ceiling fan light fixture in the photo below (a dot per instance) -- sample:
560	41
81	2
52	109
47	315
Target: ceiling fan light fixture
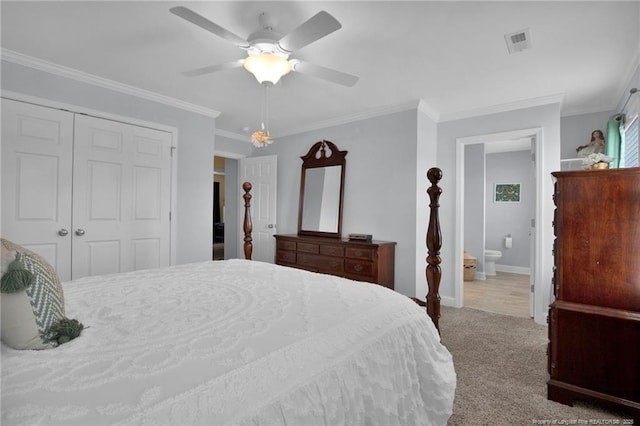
267	67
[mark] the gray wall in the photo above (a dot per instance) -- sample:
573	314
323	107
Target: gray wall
546	117
575	130
474	201
379	183
232	195
425	158
195	146
509	218
233	148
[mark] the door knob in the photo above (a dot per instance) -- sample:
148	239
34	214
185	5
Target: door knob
79	232
63	232
271	225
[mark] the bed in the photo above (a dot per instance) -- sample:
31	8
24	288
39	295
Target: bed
237	342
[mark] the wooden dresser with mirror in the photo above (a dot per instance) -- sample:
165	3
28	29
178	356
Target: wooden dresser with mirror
319	245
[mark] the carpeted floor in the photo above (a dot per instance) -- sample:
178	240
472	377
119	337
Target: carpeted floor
501	366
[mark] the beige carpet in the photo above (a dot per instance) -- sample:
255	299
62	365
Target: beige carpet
501	366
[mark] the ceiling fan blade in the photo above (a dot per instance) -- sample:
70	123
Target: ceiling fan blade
214	68
206	24
324	73
318	26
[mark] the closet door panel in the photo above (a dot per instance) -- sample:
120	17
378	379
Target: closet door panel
121	197
37	150
100	221
151	183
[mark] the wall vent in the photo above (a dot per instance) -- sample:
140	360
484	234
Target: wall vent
518	41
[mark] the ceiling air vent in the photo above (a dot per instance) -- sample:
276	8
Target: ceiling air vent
518	41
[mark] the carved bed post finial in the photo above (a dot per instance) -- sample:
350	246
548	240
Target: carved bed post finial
434	243
247	225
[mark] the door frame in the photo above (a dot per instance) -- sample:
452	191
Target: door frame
536	134
49	103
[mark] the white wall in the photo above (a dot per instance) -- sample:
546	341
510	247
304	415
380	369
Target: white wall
195	146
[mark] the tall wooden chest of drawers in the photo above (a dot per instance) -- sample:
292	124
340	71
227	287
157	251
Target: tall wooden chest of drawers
594	322
357	260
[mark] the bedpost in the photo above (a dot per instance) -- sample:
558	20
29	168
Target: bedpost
247	226
434	243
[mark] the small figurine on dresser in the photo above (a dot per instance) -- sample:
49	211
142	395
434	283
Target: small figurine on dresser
596	145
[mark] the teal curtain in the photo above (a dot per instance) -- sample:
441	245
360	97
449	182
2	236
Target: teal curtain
614	140
623	148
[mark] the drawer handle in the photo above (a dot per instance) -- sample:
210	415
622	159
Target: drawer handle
358	253
358	267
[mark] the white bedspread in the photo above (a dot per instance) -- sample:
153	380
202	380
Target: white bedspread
234	342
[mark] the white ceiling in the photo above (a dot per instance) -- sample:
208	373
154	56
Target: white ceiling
449	55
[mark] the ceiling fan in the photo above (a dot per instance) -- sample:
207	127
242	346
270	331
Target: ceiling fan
268	50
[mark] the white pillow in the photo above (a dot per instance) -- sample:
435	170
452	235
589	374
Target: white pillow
30	314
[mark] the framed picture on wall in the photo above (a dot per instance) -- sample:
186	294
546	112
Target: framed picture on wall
506	193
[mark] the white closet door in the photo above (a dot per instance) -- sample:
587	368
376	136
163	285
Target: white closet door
121	205
37	144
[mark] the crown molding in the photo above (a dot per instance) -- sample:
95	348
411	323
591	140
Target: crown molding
496	109
81	76
429	111
571	113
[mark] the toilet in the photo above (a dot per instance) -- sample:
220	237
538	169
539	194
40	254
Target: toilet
490	258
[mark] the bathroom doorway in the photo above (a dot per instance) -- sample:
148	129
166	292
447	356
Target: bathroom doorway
499	200
489	162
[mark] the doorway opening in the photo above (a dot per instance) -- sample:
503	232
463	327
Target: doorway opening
499	199
218	208
472	224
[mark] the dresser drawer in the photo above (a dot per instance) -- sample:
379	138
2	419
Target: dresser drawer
322	263
308	248
331	250
283	256
286	245
360	253
359	267
356	260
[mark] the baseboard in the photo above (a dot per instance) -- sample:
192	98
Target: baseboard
449	301
481	276
513	269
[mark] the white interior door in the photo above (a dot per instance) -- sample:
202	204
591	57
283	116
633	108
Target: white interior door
262	173
121	201
37	150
